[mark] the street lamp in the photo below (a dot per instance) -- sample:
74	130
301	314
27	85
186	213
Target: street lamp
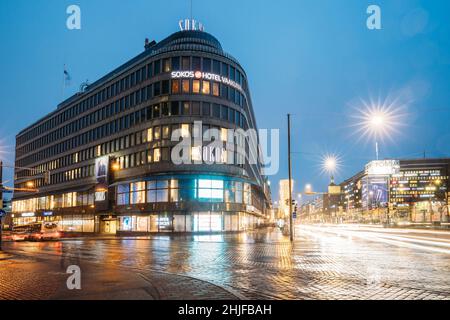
330	164
378	120
308	189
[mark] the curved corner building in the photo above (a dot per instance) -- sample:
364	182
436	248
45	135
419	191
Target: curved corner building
102	161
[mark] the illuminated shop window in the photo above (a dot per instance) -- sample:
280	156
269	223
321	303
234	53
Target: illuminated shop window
158	191
123	194
174	190
137	192
210	190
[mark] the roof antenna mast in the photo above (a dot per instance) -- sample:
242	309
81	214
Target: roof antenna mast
191	9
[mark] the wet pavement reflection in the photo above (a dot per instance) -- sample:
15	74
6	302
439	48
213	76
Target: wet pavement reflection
322	263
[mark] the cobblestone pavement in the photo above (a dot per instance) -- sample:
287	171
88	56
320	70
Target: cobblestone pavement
325	262
30	278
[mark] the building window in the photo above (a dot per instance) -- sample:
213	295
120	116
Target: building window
185	86
157	65
206	109
186	63
166	65
186	108
216	67
158	191
157	89
206	87
123	194
185	130
216	110
156	111
164	109
196	86
210	190
137	192
174	108
175	86
166	132
206	65
216	89
156	133
156	155
165	87
175	63
195	108
196	61
224	113
150	134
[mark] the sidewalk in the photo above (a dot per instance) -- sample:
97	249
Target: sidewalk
30	278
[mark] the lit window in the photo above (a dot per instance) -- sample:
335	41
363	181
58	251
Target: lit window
156	133
166	132
175	86
185	130
223	134
150	134
185	86
205	87
210	189
196	86
156	155
215	89
196	153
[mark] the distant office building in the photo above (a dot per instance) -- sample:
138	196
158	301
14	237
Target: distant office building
394	191
413	190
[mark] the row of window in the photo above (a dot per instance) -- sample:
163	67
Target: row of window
151	112
129	81
177	190
132	100
65	200
155	133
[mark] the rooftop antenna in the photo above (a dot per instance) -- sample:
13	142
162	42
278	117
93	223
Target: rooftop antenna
191	10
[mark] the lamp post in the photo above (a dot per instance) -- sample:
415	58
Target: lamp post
291	222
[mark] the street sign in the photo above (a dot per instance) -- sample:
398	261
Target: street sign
294	215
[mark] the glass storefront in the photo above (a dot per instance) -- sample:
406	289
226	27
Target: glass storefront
194	222
186	189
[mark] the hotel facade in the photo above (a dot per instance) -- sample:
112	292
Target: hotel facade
102	162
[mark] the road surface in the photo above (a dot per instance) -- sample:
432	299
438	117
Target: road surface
324	262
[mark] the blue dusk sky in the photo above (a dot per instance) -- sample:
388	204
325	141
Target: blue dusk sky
315	59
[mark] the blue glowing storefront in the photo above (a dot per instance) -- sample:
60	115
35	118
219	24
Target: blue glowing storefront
185	203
